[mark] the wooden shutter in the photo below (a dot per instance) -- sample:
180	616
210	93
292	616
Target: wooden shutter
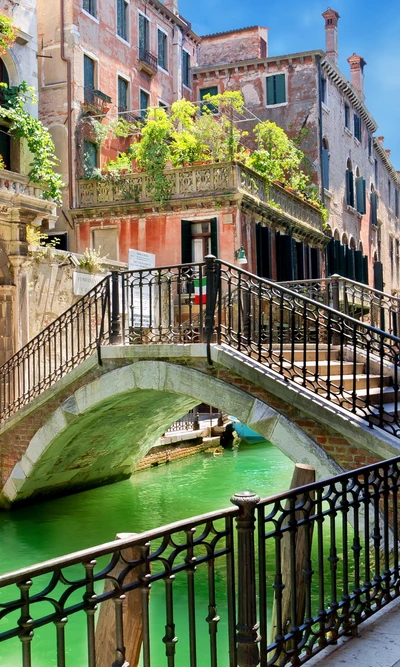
351	264
359	266
88	72
365	269
325	168
343	261
300	260
285	257
263	251
271	90
349	188
122	94
374	208
186	241
280	89
337	255
161	49
142	33
378	276
361	195
214	237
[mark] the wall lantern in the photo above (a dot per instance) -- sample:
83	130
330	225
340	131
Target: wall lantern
240	255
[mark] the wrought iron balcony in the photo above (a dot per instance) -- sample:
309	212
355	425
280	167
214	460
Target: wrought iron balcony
147	61
271	202
17	191
96	100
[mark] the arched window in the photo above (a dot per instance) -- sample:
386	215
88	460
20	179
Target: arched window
373	198
5	139
349	184
345	240
4	78
352	243
361	204
325	163
336	235
360	246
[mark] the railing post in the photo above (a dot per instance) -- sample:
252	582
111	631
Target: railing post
247	637
211	287
196	423
335	304
115	335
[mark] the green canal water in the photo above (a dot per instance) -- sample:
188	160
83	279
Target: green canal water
152	498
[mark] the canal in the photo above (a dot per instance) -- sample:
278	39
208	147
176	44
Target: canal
149	499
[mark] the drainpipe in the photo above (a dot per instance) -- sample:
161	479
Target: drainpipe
69	104
318	57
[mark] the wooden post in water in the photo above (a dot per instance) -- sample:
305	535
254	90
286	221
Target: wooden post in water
108	634
293	600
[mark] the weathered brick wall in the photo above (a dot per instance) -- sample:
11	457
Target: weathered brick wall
228	47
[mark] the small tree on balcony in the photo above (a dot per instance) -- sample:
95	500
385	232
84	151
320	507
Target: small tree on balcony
8	34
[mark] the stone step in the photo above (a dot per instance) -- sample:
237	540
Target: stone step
347	382
335	367
298	355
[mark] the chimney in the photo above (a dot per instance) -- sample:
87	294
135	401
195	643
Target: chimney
357	64
387	151
381	139
172	5
331	34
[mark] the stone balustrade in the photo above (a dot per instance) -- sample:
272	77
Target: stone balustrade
18	190
202	180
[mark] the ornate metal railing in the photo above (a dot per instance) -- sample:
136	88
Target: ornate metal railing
354	364
319	576
61	346
355	299
278	204
149	59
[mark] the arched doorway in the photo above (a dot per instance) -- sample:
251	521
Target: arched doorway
5	139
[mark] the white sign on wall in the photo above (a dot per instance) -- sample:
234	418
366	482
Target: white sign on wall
82	283
141	297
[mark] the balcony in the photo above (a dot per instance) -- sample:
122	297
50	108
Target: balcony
96	101
18	192
195	184
147	62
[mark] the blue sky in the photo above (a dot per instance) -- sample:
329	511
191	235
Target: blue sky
367	28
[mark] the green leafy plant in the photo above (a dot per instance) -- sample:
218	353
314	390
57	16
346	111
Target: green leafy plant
91	261
99	131
8	34
35	237
122	163
38	138
153	152
2	163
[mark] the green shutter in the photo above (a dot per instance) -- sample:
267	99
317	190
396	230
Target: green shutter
88	72
359	266
325	168
143	33
315	264
343	261
300	260
360	195
365	270
336	257
280	88
294	260
351	264
378	276
186	241
374	209
213	90
349	188
270	90
263	250
285	257
214	237
330	258
122	94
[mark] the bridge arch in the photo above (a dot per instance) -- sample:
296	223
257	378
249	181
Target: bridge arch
107	425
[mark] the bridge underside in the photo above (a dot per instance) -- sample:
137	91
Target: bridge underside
109	417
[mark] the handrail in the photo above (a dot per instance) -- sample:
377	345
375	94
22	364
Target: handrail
298	535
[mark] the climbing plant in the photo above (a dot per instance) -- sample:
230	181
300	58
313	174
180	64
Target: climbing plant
8	34
38	138
152	152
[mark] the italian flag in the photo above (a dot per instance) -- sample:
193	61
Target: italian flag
197	298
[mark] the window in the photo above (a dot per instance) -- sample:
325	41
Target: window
376	171
90	157
122	94
89	6
144	102
357	127
186	68
122	19
396	203
212	90
349	185
369	146
391	253
325	164
361	203
374	208
276	89
144	36
324	91
347	116
198	239
162	49
88	72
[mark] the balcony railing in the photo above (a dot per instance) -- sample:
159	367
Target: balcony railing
96	99
19	191
269	200
148	61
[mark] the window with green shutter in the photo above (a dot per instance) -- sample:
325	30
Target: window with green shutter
144	35
212	90
276	89
90	154
374	208
186	68
162	49
122	19
357	127
325	168
122	95
144	100
88	72
361	204
349	188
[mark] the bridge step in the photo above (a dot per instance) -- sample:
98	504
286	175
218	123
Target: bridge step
348	367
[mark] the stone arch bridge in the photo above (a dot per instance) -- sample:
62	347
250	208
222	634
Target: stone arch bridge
92	426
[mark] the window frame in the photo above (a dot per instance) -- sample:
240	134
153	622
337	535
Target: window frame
87	142
147	45
146	92
187	85
276	104
347	116
357	127
324	91
96	69
93	14
125	38
166	49
121	77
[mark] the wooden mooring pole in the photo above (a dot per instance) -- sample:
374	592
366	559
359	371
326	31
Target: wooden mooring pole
293	594
109	652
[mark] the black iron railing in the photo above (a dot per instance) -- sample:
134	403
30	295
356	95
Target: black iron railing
148	58
299	570
360	301
353	364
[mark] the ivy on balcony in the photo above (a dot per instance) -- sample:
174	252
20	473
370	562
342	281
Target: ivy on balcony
38	138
